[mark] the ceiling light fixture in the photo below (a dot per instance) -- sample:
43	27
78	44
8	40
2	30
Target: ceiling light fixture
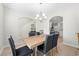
41	15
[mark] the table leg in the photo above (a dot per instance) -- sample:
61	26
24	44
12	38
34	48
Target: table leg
35	51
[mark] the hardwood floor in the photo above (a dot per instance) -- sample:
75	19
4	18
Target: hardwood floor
63	50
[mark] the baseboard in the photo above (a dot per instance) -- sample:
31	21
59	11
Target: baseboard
72	45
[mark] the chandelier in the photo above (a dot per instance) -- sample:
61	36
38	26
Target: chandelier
41	15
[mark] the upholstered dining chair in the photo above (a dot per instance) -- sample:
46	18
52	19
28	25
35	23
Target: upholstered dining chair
38	33
50	43
55	40
22	51
47	46
32	33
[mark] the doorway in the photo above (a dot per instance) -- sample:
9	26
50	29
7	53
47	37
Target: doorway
56	24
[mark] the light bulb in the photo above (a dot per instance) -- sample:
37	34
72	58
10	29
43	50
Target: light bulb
37	15
43	14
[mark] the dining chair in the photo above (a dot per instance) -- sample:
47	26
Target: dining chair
46	47
22	51
38	33
55	40
50	43
32	33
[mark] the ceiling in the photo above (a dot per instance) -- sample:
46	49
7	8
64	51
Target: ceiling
30	8
35	8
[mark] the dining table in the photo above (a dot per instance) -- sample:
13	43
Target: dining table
33	41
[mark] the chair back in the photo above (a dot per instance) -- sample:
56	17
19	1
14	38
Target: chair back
55	39
32	33
48	44
38	33
11	41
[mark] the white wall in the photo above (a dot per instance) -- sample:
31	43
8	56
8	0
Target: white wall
1	28
70	14
25	26
17	25
1	24
11	26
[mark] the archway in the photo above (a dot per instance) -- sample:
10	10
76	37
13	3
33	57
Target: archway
56	24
